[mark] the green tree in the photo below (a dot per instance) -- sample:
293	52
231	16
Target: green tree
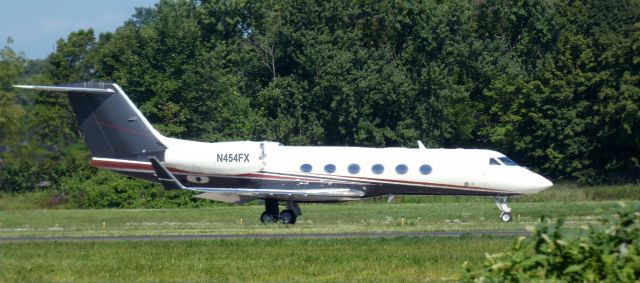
72	62
176	77
570	112
553	84
11	113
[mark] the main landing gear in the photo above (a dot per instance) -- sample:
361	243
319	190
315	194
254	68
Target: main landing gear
272	213
503	205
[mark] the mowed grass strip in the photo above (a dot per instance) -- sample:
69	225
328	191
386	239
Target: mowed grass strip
247	260
558	193
317	218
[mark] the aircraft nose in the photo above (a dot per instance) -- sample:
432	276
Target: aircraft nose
540	183
532	183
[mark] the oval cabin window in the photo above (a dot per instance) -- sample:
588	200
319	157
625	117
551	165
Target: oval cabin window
402	169
329	168
377	169
425	169
354	168
306	168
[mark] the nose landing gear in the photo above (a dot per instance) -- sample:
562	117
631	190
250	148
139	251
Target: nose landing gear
503	205
272	212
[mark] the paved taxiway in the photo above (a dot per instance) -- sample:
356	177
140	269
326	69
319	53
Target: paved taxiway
493	233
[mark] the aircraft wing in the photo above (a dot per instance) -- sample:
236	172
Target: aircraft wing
241	195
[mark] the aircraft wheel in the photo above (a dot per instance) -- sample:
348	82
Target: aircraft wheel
267	218
506	217
287	217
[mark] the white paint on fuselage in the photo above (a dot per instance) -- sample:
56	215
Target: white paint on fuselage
455	167
464	168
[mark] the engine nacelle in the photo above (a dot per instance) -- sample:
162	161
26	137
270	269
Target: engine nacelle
226	158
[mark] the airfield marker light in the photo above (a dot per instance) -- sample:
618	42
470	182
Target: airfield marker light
402	221
104	224
241	221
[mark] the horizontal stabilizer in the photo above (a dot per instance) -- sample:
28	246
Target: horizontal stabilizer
66	89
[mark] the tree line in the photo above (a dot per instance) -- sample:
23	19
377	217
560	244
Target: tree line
553	84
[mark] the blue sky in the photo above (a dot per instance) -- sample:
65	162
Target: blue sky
35	25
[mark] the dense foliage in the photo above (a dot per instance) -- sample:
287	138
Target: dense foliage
602	253
554	84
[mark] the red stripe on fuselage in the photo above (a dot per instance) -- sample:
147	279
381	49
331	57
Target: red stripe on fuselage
108	164
266	176
124	165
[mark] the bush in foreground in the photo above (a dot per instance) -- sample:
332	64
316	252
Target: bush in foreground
599	253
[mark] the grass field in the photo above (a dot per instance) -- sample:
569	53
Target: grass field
365	260
280	260
317	218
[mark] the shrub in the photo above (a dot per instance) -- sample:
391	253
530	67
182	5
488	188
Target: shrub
598	253
104	189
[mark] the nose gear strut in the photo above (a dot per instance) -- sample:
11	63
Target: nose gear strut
503	205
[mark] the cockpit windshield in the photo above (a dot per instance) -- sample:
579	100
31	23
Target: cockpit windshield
506	161
493	161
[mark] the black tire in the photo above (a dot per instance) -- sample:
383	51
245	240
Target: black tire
288	217
506	217
267	218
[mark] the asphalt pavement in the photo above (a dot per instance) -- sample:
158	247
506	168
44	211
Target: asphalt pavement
481	233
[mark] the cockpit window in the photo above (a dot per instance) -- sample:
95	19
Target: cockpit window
507	161
493	161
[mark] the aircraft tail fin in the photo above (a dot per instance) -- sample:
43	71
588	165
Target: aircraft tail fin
111	124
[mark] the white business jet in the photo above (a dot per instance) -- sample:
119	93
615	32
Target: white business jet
122	140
